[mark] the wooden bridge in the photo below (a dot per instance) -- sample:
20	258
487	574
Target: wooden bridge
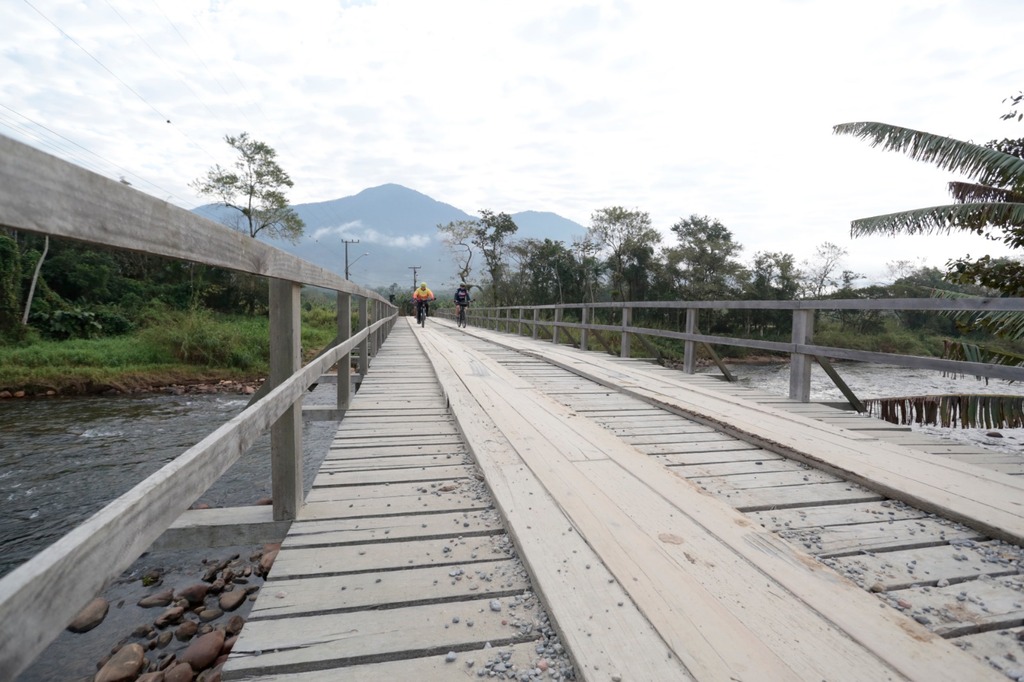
499	506
673	526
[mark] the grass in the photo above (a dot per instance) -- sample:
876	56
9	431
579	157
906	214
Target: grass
173	347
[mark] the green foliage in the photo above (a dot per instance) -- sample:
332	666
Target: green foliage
73	323
254	188
10	287
199	337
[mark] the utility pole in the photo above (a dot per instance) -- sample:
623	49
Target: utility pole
414	269
347	242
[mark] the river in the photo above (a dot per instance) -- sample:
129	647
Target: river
61	460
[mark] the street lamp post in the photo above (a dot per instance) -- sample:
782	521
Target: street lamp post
347	264
347	242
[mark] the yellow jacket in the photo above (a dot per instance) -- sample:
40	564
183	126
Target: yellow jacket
423	294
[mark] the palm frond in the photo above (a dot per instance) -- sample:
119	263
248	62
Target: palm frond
972	193
989	166
942	219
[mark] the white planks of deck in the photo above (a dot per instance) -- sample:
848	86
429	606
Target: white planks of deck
646	575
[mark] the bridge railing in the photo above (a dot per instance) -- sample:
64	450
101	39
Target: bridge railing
554	322
42	194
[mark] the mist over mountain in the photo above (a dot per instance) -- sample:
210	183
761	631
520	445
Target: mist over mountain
396	228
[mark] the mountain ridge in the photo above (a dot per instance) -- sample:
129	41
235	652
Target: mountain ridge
389	230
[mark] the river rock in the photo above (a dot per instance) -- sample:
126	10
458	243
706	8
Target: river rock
195	594
124	666
171	615
203	651
186	631
267	561
234	626
229	601
207	615
162	598
155	676
164	638
91	616
179	672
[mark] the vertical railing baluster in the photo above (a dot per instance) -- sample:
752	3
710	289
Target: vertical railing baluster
584	332
690	347
624	349
364	345
536	319
800	363
345	363
555	329
286	432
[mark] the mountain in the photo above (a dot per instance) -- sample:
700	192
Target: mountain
396	228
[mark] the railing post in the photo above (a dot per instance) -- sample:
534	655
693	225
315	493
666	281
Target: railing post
627	314
519	324
536	319
584	332
286	433
690	347
799	363
554	330
378	306
345	363
364	345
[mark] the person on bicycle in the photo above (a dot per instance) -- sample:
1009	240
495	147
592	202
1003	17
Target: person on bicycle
462	298
421	297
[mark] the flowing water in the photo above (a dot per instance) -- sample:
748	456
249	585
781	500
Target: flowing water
61	460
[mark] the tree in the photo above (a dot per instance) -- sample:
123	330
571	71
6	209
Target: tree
491	236
704	263
629	240
457	236
822	274
255	188
992	206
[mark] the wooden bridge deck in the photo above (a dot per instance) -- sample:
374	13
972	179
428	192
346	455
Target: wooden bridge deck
673	527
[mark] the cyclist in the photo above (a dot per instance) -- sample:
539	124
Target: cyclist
421	297
462	300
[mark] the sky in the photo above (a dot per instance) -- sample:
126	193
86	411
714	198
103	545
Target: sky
719	109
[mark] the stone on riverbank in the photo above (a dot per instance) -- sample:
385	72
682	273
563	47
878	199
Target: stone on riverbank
203	651
91	616
123	666
229	601
162	598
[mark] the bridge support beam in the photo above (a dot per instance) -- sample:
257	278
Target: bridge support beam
345	363
627	316
800	363
364	345
286	433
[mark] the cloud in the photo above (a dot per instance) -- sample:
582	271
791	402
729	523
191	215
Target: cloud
356	230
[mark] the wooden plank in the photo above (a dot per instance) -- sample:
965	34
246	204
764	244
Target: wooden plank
308	561
767	479
528	425
391	475
835	515
889	571
396	462
967	607
382	453
435	668
423	504
320	641
361	530
290	597
759	499
841	540
1002	649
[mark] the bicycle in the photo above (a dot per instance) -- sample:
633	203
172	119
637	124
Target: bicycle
461	321
421	314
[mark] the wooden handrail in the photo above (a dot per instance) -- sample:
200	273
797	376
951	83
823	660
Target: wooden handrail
55	584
